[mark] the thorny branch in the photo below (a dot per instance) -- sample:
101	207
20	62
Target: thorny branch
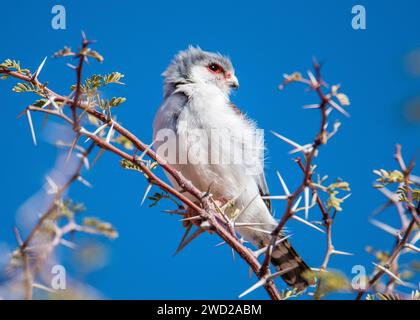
390	266
208	215
25	246
205	208
326	105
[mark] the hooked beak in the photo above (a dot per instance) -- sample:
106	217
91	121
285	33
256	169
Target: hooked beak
233	83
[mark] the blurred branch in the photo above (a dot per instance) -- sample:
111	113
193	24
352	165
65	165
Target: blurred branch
403	178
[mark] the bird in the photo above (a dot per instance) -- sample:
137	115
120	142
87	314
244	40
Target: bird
203	135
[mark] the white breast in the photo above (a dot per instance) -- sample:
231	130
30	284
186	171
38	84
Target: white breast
211	163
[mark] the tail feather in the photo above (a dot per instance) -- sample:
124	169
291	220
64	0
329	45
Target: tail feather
284	257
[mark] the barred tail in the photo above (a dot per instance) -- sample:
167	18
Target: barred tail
284	257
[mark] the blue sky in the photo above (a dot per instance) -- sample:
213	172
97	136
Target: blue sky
264	40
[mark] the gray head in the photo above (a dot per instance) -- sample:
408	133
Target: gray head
197	66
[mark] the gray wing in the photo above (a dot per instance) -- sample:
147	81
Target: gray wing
168	113
263	188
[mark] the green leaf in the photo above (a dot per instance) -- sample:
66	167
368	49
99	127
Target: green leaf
416	195
102	227
129	165
66	51
95	81
388	296
342	185
288	294
39	103
117	101
334	202
331	281
96	55
387	177
24	87
13	65
114	77
10	64
127	144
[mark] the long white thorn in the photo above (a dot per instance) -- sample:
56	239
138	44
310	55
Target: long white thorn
297	218
264	280
53	186
46	104
98	130
415	179
292	143
68	244
283	184
260	283
42	287
346	197
149	186
52	99
311	106
281	272
296	205
394	276
415	238
338	108
328	111
110	132
259	252
385	227
38	71
28	113
84	159
145	151
306	194
342	253
275	197
220	244
412	247
191	218
86	162
313	79
85	182
305	149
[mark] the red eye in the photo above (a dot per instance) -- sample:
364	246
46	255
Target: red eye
215	68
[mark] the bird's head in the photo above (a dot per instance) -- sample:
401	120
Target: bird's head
200	67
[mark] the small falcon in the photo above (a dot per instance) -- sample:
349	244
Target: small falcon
219	149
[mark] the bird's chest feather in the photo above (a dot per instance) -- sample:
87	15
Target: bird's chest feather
215	142
210	125
207	108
